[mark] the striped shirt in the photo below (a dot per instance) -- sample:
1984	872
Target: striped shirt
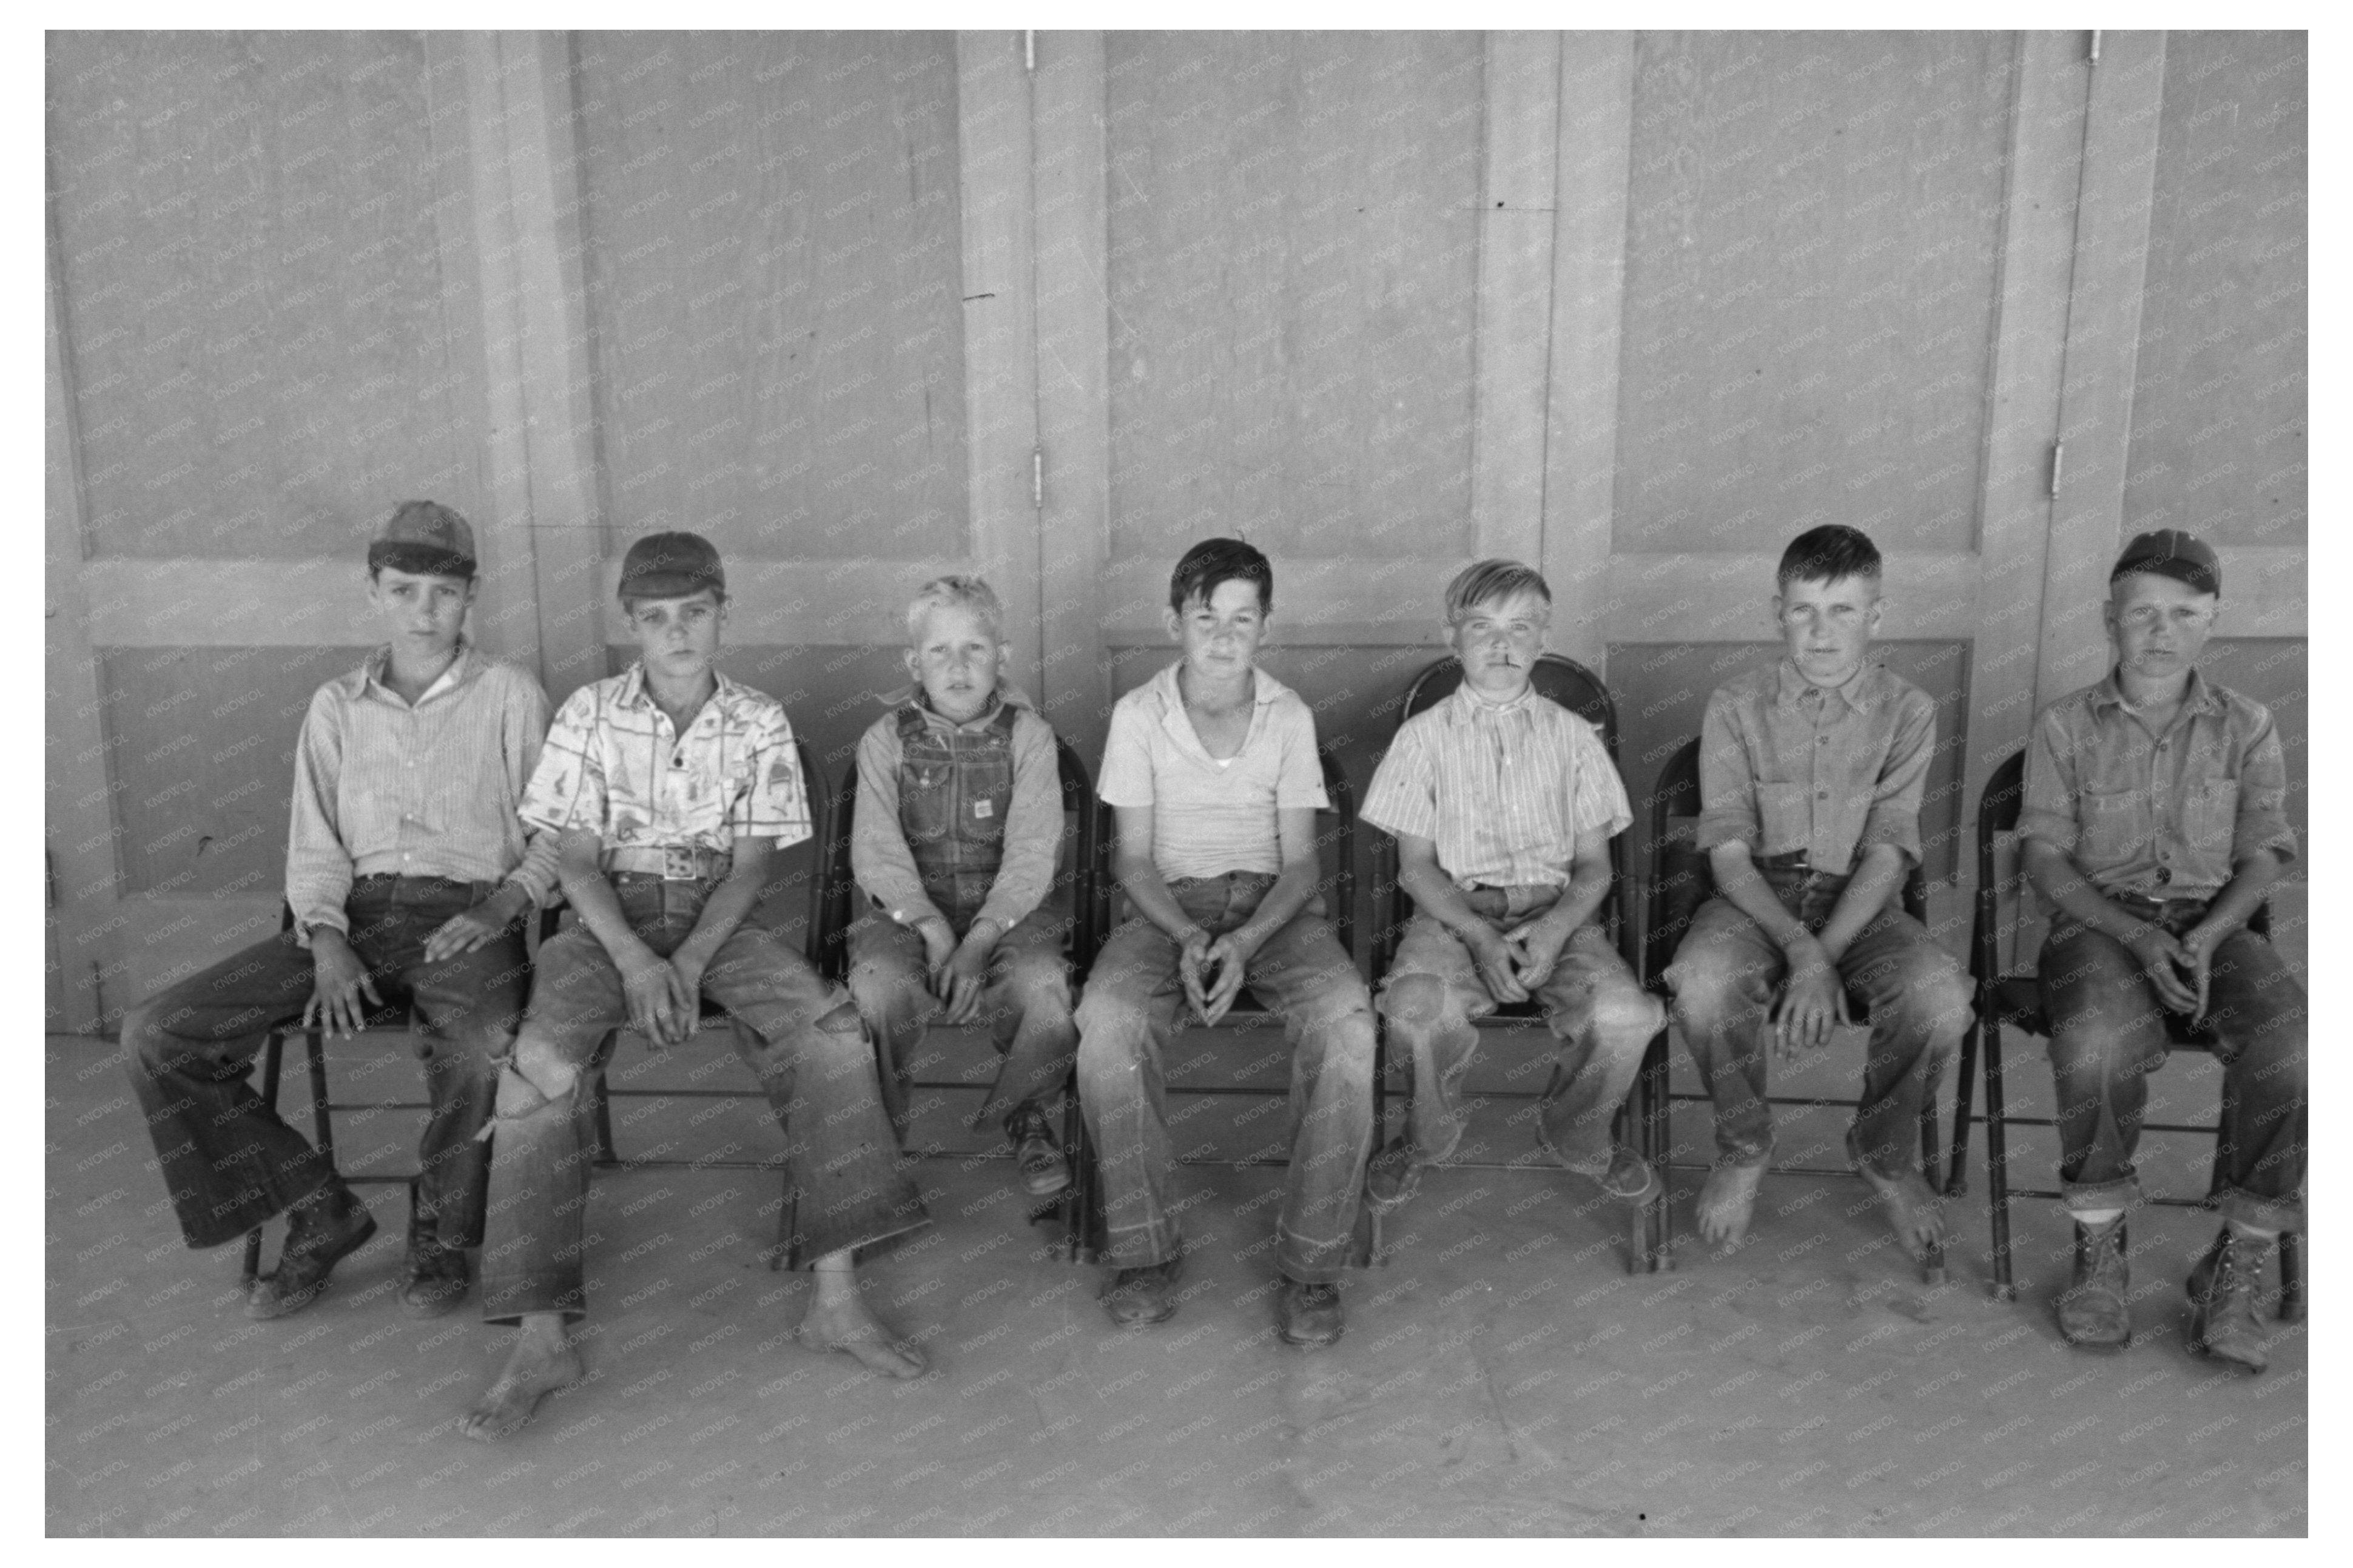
424	790
1505	792
1209	816
1786	766
614	766
2167	816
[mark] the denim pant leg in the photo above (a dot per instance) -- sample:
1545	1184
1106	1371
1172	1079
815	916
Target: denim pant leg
465	1009
1604	1021
2108	1033
227	1158
1305	975
1919	1004
1723	979
2260	1015
802	1036
1126	1018
534	1226
890	983
1429	998
1027	1007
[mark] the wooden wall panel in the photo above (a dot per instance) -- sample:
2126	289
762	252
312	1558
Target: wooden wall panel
1663	689
1809	287
253	289
201	760
1293	268
2218	390
773	302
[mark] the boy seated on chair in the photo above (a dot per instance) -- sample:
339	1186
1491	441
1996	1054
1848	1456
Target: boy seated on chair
1212	772
670	786
2153	825
1502	804
958	824
1810	777
407	873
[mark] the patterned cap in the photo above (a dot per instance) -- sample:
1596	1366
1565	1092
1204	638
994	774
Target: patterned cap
424	536
2171	552
670	566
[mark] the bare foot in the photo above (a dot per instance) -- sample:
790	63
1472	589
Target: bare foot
1915	1213
534	1371
1726	1201
846	1325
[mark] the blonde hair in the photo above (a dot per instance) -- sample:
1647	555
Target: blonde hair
1483	581
955	590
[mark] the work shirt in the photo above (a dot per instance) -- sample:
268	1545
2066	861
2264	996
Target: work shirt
429	789
1786	766
614	765
879	854
2166	816
1210	817
1504	791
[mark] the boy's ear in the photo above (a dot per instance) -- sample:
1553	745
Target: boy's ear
915	666
1175	626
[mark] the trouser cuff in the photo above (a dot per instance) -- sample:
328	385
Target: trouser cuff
2258	1211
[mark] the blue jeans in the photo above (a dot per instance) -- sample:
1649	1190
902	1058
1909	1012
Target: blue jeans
2109	1031
229	1161
800	1035
1125	1021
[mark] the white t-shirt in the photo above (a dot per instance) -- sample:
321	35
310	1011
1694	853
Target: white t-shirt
1210	817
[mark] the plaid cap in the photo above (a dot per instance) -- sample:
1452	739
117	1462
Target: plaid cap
2171	552
670	566
424	536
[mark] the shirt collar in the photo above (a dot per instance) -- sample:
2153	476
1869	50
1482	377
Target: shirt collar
1468	704
634	694
2196	698
1264	688
379	665
1861	693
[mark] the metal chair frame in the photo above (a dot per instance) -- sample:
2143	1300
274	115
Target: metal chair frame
1583	693
2014	1001
838	902
1677	882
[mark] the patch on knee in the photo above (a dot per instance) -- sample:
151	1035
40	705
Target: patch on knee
518	1094
843	1020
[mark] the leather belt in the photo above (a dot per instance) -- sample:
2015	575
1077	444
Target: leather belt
670	862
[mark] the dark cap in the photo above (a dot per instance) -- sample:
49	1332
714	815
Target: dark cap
424	536
2170	552
670	566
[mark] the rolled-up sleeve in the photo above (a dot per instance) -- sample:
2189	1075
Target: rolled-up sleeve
2262	821
776	804
567	787
878	856
1403	799
318	866
2047	811
1728	791
1596	794
1299	778
1033	826
1893	817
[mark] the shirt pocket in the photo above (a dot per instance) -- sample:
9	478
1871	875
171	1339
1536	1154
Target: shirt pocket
2114	827
1785	812
2210	820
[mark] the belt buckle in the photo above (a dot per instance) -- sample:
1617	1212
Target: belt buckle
677	863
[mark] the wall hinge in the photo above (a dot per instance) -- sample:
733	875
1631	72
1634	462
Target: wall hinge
2096	45
2058	458
1038	478
1030	50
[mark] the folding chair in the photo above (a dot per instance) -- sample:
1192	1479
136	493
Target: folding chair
2012	999
837	897
1090	1241
380	1021
1677	883
1579	690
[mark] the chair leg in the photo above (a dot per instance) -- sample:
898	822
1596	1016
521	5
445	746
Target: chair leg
1658	1138
2005	1289
602	1103
315	1045
1957	1169
2291	1255
273	1059
1932	1260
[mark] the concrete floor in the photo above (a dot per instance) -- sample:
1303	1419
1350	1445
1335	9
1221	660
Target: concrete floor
1501	1374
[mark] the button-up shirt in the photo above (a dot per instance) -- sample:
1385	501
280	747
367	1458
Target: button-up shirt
885	867
428	789
2166	816
1786	766
1212	815
614	766
1504	791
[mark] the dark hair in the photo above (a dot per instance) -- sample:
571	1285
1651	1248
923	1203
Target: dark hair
1216	561
1827	553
